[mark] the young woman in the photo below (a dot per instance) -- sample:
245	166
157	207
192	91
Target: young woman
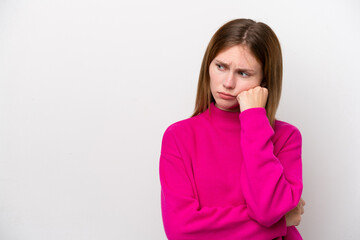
232	170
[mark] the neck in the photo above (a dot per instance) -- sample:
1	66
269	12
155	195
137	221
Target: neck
233	109
223	119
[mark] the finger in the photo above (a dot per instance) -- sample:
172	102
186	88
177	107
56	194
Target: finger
302	211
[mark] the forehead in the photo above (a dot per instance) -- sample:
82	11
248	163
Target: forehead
239	56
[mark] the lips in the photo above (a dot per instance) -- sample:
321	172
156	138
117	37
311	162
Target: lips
227	94
226	97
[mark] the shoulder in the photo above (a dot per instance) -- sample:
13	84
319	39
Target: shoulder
183	126
285	127
286	133
180	135
185	131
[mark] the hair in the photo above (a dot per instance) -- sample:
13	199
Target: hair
264	45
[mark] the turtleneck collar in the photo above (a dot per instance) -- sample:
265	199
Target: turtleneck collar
223	119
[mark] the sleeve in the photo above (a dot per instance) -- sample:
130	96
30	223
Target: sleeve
272	185
183	218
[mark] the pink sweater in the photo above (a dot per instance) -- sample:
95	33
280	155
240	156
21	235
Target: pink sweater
230	176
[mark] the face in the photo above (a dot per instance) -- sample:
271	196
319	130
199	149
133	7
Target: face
232	71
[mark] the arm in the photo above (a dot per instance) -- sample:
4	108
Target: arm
272	185
184	218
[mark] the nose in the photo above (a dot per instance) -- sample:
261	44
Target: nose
229	81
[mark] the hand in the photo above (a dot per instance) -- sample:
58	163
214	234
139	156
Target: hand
293	217
252	98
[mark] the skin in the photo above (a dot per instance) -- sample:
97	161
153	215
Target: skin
293	217
237	72
233	79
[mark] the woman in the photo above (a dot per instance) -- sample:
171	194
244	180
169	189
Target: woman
232	170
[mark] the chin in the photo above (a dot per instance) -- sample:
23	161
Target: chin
232	105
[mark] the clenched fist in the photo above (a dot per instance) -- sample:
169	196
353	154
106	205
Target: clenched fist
293	217
252	98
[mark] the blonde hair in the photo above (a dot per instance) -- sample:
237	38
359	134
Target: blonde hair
265	46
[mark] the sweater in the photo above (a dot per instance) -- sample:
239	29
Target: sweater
230	176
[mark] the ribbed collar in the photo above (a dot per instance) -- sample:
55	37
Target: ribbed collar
223	119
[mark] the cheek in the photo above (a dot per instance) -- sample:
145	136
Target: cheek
254	82
211	73
245	86
214	76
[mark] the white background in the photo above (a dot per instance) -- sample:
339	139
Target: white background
87	89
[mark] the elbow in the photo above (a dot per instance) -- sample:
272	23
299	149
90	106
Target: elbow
177	233
179	218
267	222
172	232
175	228
263	217
172	235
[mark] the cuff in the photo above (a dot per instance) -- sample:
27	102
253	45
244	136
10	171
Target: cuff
253	117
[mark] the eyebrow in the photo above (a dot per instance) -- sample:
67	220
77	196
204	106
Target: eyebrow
227	65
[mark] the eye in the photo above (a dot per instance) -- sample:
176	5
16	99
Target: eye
246	75
220	66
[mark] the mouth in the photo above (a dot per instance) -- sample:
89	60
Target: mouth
226	94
